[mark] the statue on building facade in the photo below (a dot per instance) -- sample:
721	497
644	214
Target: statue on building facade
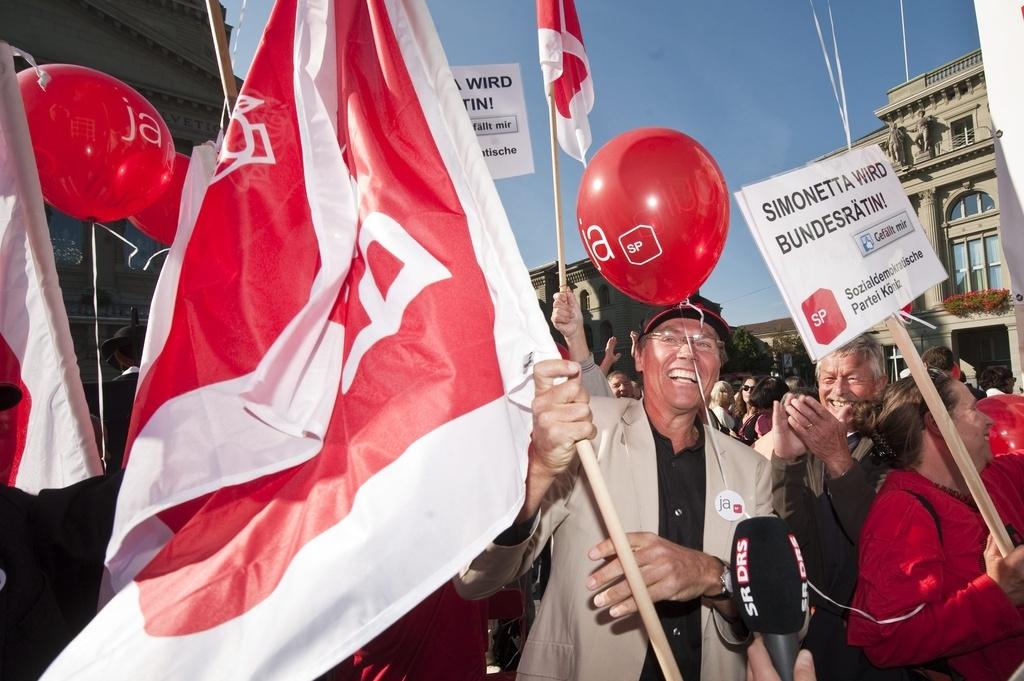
922	136
895	144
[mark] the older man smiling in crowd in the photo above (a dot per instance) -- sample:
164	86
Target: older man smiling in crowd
665	471
824	478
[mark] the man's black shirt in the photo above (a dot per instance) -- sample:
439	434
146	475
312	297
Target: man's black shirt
681	494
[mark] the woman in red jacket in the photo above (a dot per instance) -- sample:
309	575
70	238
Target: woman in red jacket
924	548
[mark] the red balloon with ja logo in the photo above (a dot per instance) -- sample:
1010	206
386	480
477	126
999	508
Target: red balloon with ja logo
653	213
102	150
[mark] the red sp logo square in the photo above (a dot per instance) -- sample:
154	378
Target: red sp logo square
640	245
822	313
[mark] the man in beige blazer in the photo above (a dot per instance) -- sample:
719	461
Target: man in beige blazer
587	627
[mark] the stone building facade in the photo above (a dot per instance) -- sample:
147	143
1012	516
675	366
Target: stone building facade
163	49
606	311
938	133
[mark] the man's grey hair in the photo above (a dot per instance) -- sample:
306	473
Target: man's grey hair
866	348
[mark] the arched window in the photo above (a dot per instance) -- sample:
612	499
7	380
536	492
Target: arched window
584	300
971	204
603	296
606	331
589	335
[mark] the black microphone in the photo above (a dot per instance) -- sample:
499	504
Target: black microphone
769	587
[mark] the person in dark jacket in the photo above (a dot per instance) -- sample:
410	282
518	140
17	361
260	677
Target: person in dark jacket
123	351
824	478
52	547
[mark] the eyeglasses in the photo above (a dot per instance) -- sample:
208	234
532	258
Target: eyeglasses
699	342
747	388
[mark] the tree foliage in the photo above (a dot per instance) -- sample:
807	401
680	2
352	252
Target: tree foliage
747	354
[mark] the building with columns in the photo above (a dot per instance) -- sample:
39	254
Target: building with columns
163	49
937	131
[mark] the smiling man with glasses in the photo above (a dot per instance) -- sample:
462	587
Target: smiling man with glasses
679	487
824	480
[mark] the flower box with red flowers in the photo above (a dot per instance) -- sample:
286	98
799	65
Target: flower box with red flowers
988	301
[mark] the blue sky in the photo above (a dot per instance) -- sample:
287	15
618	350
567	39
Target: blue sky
746	78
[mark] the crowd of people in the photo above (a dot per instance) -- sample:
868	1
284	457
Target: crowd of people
905	581
894	595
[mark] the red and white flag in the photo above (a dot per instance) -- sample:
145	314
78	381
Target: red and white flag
335	417
47	440
563	60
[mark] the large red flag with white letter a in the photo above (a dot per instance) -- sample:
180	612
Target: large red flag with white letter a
335	416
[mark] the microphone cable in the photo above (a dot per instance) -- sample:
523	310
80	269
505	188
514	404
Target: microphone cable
866	615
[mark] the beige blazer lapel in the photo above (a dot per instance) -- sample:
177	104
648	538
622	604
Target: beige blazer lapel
639	447
717	530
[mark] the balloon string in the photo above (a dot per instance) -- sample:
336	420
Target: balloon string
700	388
236	36
906	317
135	249
145	268
831	76
42	75
99	357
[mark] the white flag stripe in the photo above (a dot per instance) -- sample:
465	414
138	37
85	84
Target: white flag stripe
332	610
182	431
60	447
200	170
299	363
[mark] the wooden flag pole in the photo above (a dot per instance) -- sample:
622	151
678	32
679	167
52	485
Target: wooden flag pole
559	237
220	48
644	604
588	458
956	445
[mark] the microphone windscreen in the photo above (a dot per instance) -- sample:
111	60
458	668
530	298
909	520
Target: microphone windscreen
769	580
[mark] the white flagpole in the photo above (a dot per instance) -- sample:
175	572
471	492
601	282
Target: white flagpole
903	25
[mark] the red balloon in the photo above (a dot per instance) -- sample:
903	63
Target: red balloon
103	151
159	221
1007	413
653	213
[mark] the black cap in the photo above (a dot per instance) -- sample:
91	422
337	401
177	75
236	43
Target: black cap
127	339
690	311
10	396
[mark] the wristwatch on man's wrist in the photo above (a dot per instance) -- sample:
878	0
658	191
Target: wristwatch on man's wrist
726	580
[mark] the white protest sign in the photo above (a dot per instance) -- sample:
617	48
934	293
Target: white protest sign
493	96
843	244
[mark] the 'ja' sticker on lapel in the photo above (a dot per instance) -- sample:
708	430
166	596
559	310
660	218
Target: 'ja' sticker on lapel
730	505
